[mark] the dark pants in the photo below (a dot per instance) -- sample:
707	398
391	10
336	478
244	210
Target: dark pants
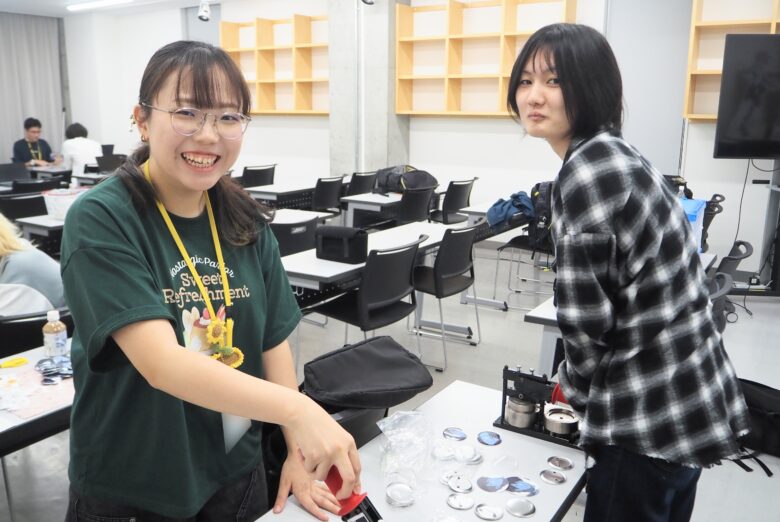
626	486
246	499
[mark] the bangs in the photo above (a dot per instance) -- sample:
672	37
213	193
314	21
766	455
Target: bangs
211	85
546	55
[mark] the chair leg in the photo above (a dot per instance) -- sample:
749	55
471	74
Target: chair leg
7	490
443	335
346	326
495	276
476	312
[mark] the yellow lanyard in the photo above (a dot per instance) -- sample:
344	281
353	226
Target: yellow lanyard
186	256
37	153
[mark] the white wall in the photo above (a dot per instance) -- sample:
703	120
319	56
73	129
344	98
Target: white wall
107	55
298	144
495	149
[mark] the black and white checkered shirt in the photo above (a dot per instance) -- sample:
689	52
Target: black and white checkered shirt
645	366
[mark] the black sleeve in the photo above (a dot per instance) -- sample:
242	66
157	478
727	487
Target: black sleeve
46	151
21	154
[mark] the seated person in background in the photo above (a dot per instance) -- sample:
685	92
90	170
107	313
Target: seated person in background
29	279
32	150
78	150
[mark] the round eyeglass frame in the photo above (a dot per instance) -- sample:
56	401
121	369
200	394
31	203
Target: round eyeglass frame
243	118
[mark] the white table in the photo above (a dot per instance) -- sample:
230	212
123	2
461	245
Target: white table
369	202
17	431
287	216
546	315
48	171
88	178
305	270
39	225
474	409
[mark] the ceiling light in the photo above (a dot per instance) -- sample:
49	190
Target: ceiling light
204	12
95	5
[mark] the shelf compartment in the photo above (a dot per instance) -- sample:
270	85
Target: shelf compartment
706	94
731	12
474	57
474	95
711	44
421	95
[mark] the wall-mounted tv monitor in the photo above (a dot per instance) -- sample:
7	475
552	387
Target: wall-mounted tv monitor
749	108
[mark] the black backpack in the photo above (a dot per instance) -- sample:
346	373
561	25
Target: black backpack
539	230
402	177
763	405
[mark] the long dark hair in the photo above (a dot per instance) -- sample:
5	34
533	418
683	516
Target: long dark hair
236	213
587	71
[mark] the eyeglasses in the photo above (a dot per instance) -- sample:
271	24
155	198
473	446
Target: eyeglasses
187	121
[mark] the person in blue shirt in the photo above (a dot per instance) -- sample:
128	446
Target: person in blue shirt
32	150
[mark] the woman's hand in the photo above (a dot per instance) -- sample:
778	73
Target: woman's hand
323	444
311	494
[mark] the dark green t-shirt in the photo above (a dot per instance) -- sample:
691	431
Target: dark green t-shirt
130	443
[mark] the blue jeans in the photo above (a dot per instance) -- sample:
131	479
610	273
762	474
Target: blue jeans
626	486
246	499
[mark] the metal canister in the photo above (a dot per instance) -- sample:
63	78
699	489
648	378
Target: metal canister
520	413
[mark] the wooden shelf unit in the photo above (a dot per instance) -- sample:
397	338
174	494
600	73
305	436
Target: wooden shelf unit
455	59
706	46
286	70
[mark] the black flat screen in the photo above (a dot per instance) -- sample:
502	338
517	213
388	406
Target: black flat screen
749	109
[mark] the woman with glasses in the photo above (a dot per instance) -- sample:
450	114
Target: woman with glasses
182	311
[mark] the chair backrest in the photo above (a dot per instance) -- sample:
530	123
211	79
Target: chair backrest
23	332
361	183
739	251
386	278
13	171
295	237
259	175
15	207
454	257
27	186
719	287
415	205
327	193
110	163
457	195
108	149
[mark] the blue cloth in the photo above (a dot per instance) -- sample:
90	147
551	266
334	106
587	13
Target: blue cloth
504	209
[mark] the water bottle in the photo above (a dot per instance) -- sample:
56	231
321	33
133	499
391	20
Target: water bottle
55	335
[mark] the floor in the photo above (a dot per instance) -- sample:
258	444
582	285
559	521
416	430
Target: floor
38	474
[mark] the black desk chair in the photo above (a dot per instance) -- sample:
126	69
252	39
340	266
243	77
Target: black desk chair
258	176
29	186
108	149
719	287
379	300
361	183
452	273
415	205
23	332
327	195
712	209
15	207
14	171
108	164
519	244
294	237
456	198
739	250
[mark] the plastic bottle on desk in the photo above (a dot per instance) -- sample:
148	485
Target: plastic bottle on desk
55	335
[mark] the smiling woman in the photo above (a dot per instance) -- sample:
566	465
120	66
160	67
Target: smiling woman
189	268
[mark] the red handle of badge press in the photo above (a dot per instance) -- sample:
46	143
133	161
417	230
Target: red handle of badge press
557	395
334	481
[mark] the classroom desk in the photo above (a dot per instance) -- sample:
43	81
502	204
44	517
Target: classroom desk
5	189
44	225
545	314
305	270
472	408
287	216
46	414
369	202
88	178
47	172
285	194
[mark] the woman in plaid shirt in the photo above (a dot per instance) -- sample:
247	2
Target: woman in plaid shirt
645	367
